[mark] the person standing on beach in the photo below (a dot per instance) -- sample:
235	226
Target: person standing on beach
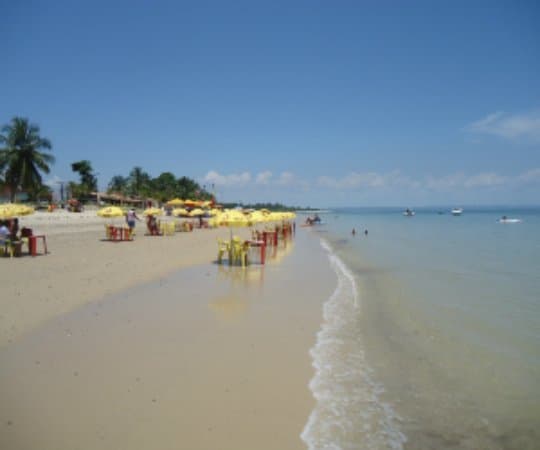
131	216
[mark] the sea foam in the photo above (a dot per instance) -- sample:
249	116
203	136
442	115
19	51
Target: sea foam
349	413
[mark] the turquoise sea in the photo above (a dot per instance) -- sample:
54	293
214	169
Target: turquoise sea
432	337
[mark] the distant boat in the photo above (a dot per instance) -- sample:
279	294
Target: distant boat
408	213
505	219
457	211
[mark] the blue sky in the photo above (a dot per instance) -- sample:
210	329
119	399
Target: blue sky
306	102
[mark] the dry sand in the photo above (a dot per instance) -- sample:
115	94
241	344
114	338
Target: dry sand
82	267
107	345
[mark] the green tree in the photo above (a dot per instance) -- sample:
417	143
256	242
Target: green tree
24	153
119	184
139	182
188	188
165	186
88	179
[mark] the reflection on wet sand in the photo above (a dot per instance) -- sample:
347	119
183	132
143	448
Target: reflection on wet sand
235	280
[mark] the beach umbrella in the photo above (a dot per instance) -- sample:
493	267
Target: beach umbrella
175	202
257	216
230	218
196	212
153	212
111	211
214	212
234	218
180	212
10	210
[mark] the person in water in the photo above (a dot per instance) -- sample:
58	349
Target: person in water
353	232
366	232
316	219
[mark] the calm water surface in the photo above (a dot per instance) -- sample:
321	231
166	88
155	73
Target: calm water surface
437	321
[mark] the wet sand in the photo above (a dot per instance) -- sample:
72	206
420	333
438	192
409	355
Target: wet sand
206	357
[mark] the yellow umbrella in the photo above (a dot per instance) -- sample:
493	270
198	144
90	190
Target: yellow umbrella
175	202
111	211
152	212
10	210
180	212
274	216
196	212
234	218
257	216
24	210
214	212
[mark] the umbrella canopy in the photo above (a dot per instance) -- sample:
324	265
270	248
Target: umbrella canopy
214	212
152	212
180	212
111	211
10	210
233	218
196	212
257	216
175	202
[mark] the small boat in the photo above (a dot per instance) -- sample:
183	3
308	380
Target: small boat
457	211
505	219
408	213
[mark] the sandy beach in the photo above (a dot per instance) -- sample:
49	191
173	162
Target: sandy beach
82	266
150	344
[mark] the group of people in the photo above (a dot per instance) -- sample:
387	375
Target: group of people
353	232
313	220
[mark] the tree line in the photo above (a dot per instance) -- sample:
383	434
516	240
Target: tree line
25	155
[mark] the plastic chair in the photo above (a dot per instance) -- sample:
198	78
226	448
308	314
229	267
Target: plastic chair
108	234
128	234
169	229
223	247
6	248
239	251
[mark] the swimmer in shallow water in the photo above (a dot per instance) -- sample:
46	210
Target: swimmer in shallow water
353	232
366	232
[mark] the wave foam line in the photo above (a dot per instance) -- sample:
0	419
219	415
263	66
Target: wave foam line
349	413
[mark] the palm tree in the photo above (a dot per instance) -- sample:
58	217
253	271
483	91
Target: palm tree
20	157
139	181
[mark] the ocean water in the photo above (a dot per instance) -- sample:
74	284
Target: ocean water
432	336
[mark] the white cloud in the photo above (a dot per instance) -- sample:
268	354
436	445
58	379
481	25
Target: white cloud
240	179
356	180
263	177
460	181
530	176
485	180
507	125
286	179
374	181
